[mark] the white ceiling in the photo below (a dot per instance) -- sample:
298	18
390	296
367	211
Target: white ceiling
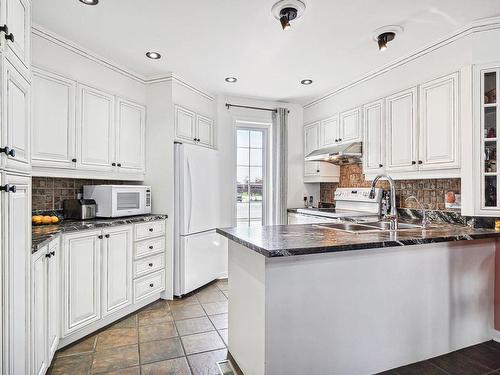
205	41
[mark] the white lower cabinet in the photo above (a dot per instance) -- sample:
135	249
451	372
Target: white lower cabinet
16	286
45	306
117	269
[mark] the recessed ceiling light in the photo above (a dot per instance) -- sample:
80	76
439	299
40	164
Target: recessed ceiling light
383	39
89	2
153	55
231	79
288	10
385	34
306	81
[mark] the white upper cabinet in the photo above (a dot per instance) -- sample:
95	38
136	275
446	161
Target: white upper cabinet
401	117
95	129
374	137
82	280
16	132
130	137
16	16
315	171
185	124
191	127
117	269
329	131
53	126
205	131
438	125
350	125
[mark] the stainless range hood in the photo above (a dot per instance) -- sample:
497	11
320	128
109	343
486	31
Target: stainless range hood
347	153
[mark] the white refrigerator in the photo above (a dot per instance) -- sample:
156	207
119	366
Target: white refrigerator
200	254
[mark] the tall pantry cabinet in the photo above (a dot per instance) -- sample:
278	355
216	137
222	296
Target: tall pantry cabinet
15	186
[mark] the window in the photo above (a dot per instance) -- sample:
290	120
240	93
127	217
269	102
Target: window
250	184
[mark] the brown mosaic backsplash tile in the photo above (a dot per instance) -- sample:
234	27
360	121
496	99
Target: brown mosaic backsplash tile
430	192
49	193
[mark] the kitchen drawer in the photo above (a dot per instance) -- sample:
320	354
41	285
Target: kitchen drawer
149	247
149	285
149	230
147	265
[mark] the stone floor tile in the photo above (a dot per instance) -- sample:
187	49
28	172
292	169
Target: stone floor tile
224	334
112	338
215	308
484	354
136	370
155	351
219	321
459	364
156	332
194	325
130	322
74	365
185	301
115	359
206	363
202	342
176	366
211	296
159	304
152	317
85	346
187	312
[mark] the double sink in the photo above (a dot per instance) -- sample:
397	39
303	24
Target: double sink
376	226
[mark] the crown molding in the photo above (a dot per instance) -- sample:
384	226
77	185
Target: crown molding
485	24
53	37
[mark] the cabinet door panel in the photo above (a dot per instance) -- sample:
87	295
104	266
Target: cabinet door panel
130	136
329	131
185	126
82	281
438	136
350	125
16	306
117	268
401	137
373	137
53	143
16	118
53	299
39	312
96	130
311	143
205	131
18	20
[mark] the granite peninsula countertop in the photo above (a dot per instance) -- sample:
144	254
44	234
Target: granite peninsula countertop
289	240
43	234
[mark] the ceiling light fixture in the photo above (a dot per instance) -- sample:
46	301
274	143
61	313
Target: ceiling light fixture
89	2
288	10
153	55
386	34
231	80
306	81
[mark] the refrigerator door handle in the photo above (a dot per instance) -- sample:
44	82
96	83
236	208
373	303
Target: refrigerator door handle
190	195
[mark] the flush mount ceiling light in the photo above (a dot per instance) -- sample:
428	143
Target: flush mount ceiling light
153	55
288	10
89	2
231	80
306	81
385	34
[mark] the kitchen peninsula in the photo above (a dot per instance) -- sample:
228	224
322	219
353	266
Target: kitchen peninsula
314	299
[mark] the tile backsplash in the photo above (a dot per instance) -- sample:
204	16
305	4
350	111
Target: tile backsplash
49	193
430	192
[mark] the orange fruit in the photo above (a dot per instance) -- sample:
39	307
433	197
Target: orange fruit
54	219
46	220
37	219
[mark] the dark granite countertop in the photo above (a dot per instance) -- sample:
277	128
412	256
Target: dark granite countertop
288	240
43	234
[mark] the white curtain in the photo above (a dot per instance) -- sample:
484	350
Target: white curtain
279	161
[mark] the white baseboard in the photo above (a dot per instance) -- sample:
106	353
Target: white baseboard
496	335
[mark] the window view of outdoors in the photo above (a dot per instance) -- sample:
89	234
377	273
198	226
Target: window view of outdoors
250	170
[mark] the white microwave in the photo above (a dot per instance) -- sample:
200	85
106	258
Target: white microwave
119	200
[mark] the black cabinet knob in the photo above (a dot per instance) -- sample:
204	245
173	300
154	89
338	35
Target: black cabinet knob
336	140
151	285
413	162
151	247
48	255
73	160
420	162
340	139
12	153
8	151
100	236
150	264
119	164
151	229
8	188
107	236
317	170
52	253
113	164
380	165
8	36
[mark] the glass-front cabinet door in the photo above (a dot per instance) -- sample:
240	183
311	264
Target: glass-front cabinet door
489	126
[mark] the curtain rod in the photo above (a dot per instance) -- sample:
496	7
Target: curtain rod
256	108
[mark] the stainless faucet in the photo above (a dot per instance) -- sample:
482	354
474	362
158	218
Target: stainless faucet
425	220
393	217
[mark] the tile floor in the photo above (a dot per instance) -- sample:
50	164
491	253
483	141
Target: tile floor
182	337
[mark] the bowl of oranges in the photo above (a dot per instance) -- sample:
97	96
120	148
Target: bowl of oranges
44	220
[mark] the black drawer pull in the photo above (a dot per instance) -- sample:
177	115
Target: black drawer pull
150	264
52	253
107	236
100	236
8	188
380	165
151	285
151	247
73	160
151	229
